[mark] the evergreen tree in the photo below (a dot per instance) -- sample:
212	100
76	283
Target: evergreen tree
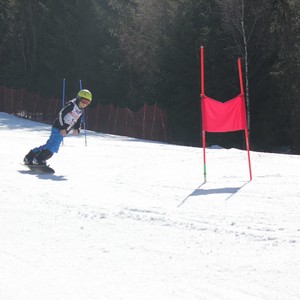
128	52
285	30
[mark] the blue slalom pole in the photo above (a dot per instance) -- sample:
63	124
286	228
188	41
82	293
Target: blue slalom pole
83	117
63	95
63	92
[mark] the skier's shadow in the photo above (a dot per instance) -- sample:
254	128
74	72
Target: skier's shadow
44	176
227	190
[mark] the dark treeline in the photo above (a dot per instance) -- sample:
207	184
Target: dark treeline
128	52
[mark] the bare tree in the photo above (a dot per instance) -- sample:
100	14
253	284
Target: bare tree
242	20
28	23
140	33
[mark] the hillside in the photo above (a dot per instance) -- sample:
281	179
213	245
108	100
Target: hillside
130	219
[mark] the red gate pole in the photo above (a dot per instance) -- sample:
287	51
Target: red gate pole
246	130
201	96
202	69
248	151
204	154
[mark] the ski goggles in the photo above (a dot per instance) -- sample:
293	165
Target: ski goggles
85	101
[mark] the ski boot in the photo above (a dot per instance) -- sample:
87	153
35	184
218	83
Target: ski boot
29	158
41	157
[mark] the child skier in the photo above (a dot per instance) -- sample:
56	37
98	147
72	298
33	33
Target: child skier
68	118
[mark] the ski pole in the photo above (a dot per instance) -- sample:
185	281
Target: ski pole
83	117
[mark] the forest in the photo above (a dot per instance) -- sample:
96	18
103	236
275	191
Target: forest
131	52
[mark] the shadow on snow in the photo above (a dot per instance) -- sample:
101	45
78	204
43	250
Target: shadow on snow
201	192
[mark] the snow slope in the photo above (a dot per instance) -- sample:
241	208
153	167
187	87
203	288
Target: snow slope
129	219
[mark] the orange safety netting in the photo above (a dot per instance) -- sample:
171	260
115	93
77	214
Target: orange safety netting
148	123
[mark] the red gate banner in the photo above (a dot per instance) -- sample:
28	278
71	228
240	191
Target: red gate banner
223	117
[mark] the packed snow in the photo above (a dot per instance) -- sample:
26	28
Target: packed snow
126	219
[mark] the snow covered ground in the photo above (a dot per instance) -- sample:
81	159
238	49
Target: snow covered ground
128	219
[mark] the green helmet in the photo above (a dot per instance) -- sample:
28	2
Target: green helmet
85	94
